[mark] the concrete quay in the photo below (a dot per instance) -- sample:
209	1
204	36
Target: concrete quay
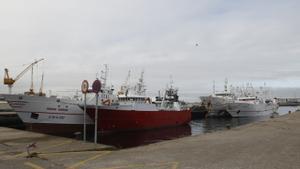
274	143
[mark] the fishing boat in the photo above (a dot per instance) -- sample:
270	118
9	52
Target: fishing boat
54	115
51	115
251	106
252	102
217	103
135	111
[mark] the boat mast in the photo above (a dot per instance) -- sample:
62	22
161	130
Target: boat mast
125	87
226	85
104	75
141	85
214	87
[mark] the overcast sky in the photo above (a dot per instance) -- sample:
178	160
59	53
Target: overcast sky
195	41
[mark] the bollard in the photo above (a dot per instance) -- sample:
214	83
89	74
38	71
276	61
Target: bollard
31	146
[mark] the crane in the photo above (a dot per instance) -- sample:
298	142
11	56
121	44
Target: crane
10	81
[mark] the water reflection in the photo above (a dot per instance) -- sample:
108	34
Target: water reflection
12	121
137	138
282	110
214	124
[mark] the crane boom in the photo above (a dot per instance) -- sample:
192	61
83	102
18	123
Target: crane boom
10	81
26	69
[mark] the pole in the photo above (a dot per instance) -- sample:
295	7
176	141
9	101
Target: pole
31	85
96	119
84	118
84	90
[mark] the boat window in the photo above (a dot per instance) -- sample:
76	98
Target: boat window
251	99
34	116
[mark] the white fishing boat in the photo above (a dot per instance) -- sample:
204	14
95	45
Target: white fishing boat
54	115
251	106
217	103
51	115
252	102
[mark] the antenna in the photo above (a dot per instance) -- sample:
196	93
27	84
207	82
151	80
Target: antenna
104	75
140	85
125	86
97	74
225	86
214	87
127	78
171	81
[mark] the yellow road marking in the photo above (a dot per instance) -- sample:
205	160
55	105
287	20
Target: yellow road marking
174	165
89	159
34	166
64	153
42	149
56	145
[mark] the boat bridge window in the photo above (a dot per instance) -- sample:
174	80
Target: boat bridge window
247	99
136	99
223	94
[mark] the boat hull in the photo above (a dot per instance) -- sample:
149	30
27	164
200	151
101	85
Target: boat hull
251	110
58	129
112	120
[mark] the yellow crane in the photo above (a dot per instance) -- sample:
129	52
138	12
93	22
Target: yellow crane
10	81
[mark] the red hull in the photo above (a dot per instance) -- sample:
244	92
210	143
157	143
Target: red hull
122	120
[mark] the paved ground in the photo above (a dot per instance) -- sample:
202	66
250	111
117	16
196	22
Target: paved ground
270	144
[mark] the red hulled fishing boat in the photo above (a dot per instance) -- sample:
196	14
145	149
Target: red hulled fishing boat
137	112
